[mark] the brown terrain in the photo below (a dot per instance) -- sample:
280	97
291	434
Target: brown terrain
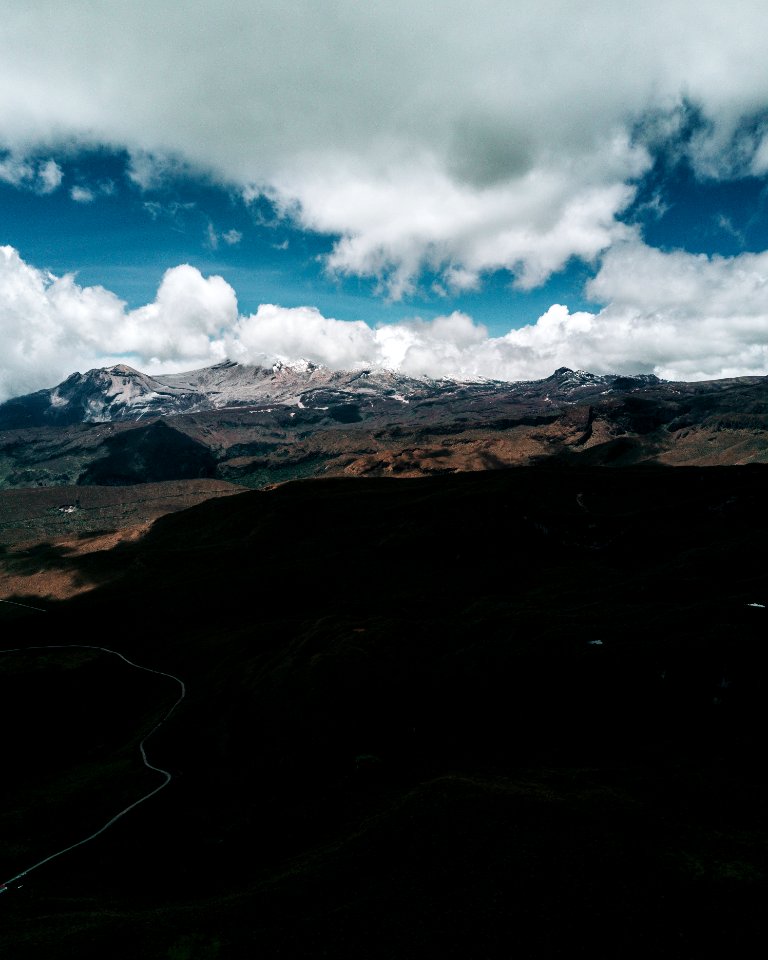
69	488
45	530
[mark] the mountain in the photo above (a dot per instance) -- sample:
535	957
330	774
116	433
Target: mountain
261	425
120	393
112	393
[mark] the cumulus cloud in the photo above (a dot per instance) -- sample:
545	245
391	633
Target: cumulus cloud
301	332
186	320
462	139
688	316
51	326
422	218
678	315
46	324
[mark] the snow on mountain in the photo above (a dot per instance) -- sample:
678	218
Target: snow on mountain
122	393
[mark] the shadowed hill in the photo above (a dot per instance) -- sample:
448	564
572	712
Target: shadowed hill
481	714
149	455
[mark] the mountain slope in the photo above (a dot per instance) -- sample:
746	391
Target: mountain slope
121	393
256	426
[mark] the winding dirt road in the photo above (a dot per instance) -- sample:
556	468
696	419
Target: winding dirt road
164	773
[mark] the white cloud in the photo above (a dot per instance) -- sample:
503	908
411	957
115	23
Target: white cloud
464	138
49	176
40	176
51	326
675	314
678	315
186	321
174	211
423	218
151	171
82	194
212	237
16	171
300	332
46	324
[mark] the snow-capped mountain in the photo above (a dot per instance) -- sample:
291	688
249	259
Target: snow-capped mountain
121	393
258	425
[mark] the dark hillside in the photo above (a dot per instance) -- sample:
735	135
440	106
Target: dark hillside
473	715
149	455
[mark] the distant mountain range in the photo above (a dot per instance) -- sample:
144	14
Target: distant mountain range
120	393
260	425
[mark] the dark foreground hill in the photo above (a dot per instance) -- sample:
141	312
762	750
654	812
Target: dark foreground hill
516	713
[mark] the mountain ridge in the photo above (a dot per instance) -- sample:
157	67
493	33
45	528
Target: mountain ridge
257	426
121	392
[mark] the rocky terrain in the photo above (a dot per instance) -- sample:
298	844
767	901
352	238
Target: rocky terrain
256	426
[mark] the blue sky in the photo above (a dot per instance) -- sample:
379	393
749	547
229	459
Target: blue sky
125	238
484	193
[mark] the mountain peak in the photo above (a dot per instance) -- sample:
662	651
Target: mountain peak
302	365
122	370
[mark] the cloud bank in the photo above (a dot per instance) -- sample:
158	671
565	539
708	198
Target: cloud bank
50	326
456	138
678	315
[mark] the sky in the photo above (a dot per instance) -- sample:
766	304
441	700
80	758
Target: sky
490	190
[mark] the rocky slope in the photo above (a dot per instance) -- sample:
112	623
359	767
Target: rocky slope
120	393
256	426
